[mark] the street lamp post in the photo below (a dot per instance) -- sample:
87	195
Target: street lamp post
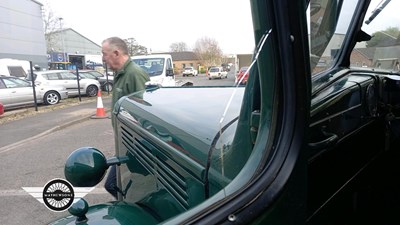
62	39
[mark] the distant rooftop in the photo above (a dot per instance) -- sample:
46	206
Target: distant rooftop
181	56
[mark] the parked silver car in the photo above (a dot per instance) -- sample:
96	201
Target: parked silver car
68	80
106	83
16	92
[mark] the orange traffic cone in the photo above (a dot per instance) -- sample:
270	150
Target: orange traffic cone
100	112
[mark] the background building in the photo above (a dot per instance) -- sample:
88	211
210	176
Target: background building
79	50
185	59
22	33
243	60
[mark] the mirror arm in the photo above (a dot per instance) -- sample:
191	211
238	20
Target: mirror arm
117	160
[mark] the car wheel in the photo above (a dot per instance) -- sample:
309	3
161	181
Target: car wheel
51	98
91	91
108	87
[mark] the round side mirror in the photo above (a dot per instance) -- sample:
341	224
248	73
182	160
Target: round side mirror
85	167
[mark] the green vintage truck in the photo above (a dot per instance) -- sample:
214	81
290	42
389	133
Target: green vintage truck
313	137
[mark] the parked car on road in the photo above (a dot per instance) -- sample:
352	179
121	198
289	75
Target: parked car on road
68	80
1	109
242	76
226	67
189	71
15	92
217	72
106	83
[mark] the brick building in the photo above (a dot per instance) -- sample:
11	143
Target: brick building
185	59
362	57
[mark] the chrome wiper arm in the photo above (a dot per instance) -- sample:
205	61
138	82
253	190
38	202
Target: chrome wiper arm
377	10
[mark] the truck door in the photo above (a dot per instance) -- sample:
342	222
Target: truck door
169	80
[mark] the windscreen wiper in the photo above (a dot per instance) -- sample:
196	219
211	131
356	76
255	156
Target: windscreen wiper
377	10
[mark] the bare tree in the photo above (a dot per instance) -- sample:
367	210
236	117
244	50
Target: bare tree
178	47
208	50
52	26
134	48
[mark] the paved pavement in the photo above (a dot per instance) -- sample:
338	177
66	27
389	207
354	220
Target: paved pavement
17	131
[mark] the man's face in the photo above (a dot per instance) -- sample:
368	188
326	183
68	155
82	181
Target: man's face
109	56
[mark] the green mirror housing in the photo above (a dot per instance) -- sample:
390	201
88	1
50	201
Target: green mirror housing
79	209
85	167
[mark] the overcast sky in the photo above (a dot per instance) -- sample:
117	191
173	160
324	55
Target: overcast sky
156	24
390	19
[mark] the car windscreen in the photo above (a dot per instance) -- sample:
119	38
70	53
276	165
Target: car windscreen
153	66
214	70
15	83
378	51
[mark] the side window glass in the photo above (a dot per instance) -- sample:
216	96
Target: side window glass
10	84
327	29
2	86
52	76
68	76
328	22
20	83
169	64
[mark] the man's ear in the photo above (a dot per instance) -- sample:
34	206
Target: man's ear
116	52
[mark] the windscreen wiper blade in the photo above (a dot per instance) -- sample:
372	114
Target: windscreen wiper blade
377	10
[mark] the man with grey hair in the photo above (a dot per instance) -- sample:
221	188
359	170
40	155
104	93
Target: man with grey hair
128	78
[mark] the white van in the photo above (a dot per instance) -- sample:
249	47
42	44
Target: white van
159	67
14	67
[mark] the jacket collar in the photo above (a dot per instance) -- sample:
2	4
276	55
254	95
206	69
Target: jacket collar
122	70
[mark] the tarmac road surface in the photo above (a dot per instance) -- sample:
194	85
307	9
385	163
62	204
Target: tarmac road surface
24	125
